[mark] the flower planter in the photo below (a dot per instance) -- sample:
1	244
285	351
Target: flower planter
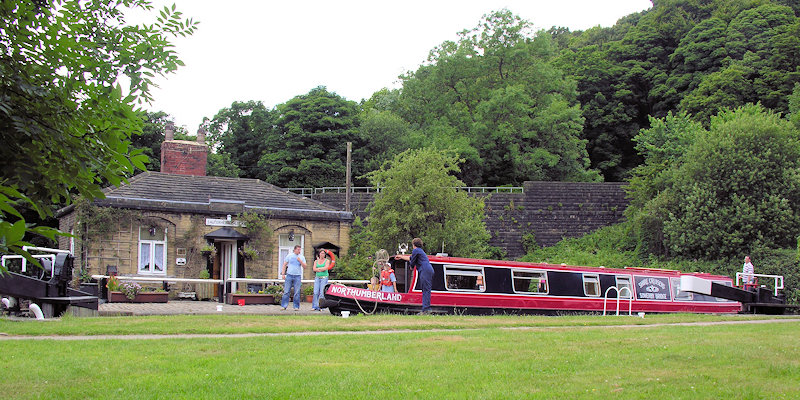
144	297
250	298
309	298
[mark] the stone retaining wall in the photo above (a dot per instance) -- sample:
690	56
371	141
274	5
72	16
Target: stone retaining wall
549	211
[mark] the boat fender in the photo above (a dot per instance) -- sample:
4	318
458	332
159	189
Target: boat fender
36	311
9	302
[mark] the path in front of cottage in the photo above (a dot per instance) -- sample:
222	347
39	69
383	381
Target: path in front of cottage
189	307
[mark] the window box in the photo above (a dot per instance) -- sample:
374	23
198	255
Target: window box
250	298
142	297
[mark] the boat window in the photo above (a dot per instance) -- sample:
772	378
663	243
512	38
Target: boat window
677	293
624	282
591	285
530	282
464	278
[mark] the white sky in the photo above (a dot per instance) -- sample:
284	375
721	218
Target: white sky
273	51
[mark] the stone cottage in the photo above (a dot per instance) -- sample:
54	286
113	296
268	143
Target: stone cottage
178	222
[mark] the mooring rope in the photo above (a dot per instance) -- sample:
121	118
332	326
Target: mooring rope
381	257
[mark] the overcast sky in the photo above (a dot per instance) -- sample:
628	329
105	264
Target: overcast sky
275	50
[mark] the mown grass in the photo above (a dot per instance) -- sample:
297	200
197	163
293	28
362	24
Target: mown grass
741	361
222	324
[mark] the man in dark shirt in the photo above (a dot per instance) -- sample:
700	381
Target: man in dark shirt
419	260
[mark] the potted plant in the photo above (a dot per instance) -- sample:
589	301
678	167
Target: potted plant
248	252
276	291
308	292
208	250
204	290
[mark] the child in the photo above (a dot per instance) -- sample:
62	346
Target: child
373	284
388	280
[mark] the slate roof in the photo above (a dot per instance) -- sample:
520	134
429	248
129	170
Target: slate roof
214	195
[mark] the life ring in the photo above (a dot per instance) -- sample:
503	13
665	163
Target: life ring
333	259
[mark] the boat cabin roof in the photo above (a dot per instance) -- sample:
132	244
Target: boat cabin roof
565	267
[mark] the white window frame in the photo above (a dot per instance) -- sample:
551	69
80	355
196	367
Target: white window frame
624	294
284	251
152	244
677	293
458	270
592	279
514	278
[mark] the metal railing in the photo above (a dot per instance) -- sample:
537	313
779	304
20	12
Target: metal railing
170	280
619	296
308	192
165	281
778	279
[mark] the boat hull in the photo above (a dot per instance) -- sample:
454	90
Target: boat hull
481	287
344	298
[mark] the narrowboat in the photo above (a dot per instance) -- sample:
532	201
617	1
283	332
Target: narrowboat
474	286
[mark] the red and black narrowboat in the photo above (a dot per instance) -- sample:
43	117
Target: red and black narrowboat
472	286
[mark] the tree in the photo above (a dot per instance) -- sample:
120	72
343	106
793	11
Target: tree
309	144
65	122
383	135
726	191
420	199
243	132
497	98
651	185
794	106
762	49
222	165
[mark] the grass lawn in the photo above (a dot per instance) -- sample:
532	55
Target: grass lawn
499	357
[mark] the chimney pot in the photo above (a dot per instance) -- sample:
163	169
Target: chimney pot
201	135
169	133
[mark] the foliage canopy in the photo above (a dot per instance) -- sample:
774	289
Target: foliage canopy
721	192
420	198
65	121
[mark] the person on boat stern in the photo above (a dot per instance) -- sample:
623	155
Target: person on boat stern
388	280
321	266
747	271
419	260
292	269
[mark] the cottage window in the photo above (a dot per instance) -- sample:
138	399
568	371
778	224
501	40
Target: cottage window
152	250
286	243
464	279
530	282
591	285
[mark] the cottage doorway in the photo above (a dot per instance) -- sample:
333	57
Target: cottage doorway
228	258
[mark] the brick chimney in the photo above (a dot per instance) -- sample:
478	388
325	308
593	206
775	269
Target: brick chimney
184	157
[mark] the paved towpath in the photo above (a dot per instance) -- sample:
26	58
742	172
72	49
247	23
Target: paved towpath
189	307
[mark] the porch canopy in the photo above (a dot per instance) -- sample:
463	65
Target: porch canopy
226	233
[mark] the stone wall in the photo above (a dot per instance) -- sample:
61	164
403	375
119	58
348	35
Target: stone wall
119	245
549	211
